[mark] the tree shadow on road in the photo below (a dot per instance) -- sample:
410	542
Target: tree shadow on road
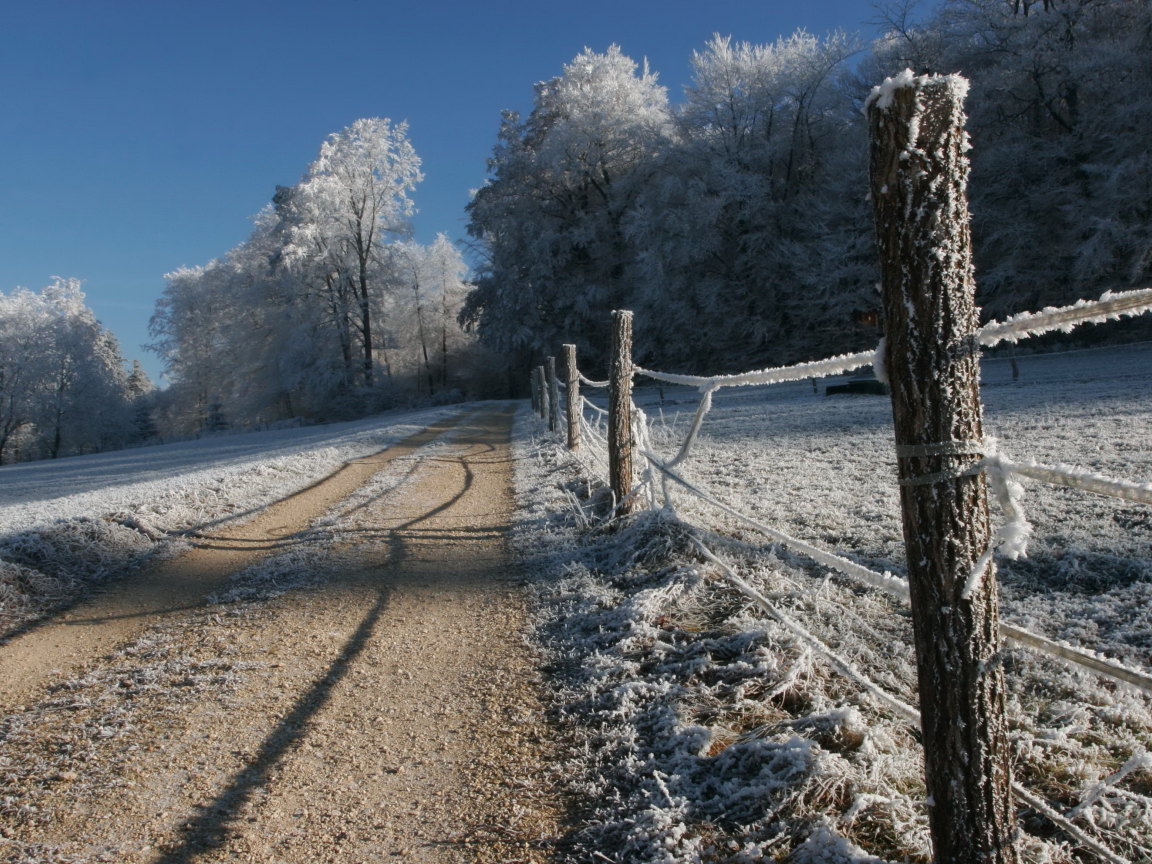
209	830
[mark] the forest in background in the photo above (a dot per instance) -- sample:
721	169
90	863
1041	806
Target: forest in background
734	223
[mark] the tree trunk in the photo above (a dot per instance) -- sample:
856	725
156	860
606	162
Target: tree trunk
444	344
620	410
56	435
366	320
918	175
424	348
573	394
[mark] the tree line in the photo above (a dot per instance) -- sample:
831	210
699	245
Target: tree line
736	223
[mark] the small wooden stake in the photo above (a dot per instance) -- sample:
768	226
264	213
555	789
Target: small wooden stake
542	388
620	410
573	394
553	396
918	177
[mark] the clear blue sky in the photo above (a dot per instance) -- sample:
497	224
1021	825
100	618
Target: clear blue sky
139	137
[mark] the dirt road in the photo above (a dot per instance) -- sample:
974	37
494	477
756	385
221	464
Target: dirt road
369	697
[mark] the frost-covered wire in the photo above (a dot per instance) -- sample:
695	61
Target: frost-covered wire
898	587
701	411
814	369
1049	813
1137	762
1011	538
1083	657
1079	478
590	382
589	435
842	666
593	405
1110	306
884	581
644	444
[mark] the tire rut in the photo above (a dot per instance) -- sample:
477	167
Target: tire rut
390	712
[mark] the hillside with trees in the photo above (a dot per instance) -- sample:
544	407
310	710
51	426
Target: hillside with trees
735	223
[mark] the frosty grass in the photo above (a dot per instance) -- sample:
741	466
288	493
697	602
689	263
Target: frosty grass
703	731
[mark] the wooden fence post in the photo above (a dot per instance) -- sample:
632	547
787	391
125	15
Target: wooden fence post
573	393
620	410
542	392
553	396
532	387
918	176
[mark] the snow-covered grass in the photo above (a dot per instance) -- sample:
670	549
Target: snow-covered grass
708	732
66	525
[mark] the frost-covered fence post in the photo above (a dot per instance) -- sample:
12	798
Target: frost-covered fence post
542	389
620	410
572	381
918	176
553	397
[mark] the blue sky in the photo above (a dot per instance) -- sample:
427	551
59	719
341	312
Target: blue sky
139	137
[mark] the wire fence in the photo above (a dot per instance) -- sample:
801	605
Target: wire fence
655	481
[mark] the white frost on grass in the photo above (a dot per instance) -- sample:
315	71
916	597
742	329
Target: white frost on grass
653	675
702	732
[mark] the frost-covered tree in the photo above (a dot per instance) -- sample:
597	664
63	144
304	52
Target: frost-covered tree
448	275
63	387
288	324
1061	119
23	327
189	330
140	391
351	205
754	240
550	222
727	223
429	317
736	225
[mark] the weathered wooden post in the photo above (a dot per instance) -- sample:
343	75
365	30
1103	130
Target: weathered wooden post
918	177
620	410
535	397
572	375
553	396
541	377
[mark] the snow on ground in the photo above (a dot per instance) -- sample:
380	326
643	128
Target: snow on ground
70	523
707	732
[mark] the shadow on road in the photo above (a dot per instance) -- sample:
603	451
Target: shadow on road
210	829
108	573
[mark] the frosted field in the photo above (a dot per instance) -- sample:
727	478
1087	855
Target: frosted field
822	469
708	732
70	523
